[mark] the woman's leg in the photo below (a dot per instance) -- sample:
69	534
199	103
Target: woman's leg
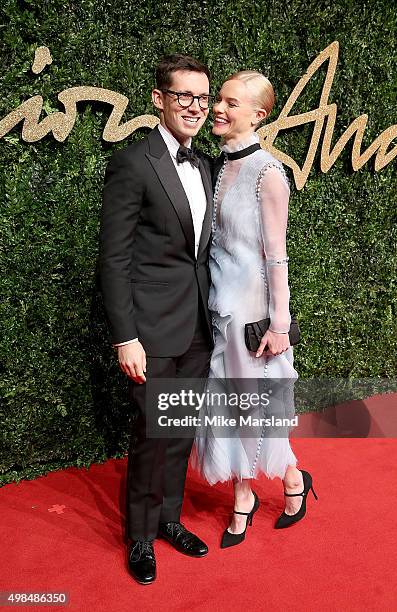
243	502
293	483
279	368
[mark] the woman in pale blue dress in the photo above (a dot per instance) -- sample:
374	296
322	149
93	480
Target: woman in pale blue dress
249	272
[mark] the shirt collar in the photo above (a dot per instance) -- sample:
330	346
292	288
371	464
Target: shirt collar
171	142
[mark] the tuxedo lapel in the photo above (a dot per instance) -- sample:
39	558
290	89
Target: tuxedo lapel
163	166
216	169
207	222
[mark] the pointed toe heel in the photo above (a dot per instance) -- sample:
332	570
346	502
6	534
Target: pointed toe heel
232	539
285	520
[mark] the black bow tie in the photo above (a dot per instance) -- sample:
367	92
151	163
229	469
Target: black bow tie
184	154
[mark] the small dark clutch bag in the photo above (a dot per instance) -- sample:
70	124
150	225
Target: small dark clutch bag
254	332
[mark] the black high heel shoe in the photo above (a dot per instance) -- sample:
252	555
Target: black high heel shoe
285	520
231	539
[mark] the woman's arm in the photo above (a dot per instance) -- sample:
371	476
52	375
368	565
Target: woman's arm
273	195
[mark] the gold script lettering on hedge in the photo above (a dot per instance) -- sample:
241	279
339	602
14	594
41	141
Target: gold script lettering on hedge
61	123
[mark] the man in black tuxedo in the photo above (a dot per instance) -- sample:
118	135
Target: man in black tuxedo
154	240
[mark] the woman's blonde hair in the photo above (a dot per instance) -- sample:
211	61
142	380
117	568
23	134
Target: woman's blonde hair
259	86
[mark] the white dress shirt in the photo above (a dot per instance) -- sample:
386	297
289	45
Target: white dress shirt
192	184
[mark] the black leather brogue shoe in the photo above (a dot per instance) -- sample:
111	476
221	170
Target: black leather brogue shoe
182	540
141	561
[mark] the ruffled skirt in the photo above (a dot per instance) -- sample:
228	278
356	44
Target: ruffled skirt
223	452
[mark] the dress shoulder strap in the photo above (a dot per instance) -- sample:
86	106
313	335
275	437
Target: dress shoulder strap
265	161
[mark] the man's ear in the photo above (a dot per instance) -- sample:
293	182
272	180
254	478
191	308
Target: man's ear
157	99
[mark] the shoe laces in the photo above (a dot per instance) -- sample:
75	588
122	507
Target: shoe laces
176	529
141	547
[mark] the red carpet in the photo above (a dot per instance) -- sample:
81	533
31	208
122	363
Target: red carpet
63	532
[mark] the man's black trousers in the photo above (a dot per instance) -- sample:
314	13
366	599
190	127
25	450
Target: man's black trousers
157	467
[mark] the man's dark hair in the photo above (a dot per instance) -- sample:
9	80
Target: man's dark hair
177	61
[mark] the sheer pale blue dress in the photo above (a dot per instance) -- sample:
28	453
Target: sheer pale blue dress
249	282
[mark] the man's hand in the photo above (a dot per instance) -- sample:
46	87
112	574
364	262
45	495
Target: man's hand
277	344
132	360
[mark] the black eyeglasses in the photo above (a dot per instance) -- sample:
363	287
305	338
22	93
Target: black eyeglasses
186	99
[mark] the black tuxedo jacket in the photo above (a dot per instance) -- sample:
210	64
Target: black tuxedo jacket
150	278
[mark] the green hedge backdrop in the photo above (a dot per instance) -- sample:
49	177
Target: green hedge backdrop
63	397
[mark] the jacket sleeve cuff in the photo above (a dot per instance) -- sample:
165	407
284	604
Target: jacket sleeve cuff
124	343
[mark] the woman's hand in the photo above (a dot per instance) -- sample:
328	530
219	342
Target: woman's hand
277	344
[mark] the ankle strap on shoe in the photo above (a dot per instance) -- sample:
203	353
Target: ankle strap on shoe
244	513
294	494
